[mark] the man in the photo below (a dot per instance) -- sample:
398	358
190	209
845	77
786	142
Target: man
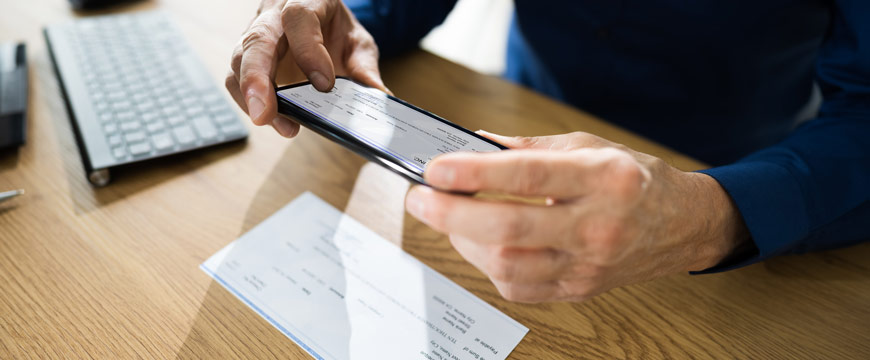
730	83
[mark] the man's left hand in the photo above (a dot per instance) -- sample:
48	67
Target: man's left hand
613	216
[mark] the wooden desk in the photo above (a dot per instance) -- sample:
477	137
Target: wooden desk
113	272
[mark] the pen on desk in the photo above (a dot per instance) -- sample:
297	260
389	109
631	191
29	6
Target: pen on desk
6	195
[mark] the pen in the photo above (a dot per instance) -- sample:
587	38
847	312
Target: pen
6	195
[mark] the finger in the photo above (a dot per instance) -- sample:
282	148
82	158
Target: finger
528	293
362	65
256	77
512	264
285	127
232	85
524	172
236	61
302	23
523	142
487	222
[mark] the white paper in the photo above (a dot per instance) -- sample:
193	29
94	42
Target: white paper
340	291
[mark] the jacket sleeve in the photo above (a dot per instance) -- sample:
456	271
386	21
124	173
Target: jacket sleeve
398	25
812	191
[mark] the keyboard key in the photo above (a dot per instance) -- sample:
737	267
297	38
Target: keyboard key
175	120
140	149
110	128
162	141
114	94
135	137
122	105
232	128
101	106
140	97
188	100
165	100
184	134
150	116
145	106
130	126
194	110
225	118
107	117
125	116
204	127
155	127
171	110
120	153
114	140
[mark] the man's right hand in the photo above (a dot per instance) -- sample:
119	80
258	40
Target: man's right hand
322	36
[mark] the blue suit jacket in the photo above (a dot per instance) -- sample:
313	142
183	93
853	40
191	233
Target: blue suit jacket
728	82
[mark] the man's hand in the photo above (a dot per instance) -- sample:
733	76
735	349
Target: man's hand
613	217
324	39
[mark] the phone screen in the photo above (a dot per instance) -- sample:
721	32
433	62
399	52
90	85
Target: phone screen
408	134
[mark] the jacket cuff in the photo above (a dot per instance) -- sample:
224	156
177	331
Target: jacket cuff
771	203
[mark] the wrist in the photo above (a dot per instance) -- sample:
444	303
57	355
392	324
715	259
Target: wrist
720	226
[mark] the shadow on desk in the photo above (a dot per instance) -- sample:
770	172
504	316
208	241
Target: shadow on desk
133	178
9	159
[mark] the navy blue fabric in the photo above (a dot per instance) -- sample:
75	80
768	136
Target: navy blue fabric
722	81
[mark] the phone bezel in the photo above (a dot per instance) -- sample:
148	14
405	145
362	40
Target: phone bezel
315	123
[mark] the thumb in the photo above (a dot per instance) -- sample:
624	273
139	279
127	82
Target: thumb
518	142
570	141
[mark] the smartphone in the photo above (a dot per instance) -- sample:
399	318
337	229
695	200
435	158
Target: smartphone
378	126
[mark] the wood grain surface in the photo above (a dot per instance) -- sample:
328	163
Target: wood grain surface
113	272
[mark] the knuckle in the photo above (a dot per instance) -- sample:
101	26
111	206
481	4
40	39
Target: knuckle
500	267
230	82
236	59
626	176
511	230
293	8
512	292
247	79
294	11
258	34
532	178
603	238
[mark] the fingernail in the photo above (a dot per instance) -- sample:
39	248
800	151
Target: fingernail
319	81
283	127
255	107
441	176
414	203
